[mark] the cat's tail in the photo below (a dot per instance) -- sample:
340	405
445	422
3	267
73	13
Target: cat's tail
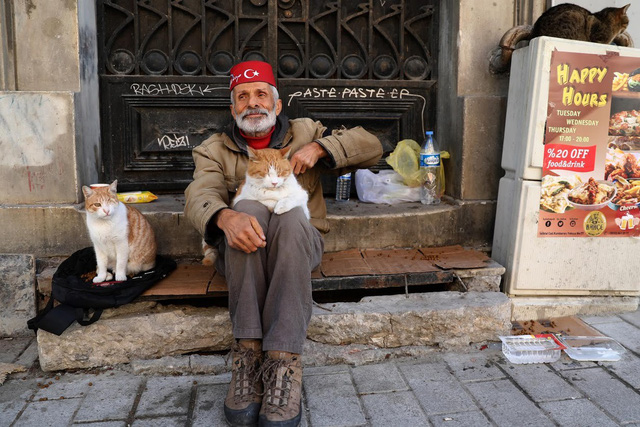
209	254
500	61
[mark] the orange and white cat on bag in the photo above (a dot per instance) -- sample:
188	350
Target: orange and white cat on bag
122	238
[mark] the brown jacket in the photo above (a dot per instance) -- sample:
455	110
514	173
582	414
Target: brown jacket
221	166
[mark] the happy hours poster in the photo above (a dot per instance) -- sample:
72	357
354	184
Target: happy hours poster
591	170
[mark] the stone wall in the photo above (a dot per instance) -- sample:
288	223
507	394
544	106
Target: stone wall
472	101
49	139
50	112
38	147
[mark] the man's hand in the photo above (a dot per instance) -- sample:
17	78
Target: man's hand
242	230
307	157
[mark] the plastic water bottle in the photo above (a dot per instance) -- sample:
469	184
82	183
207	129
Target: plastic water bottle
430	165
343	187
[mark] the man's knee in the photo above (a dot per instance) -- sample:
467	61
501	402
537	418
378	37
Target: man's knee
293	229
294	220
252	207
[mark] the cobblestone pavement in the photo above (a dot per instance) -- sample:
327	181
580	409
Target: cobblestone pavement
476	388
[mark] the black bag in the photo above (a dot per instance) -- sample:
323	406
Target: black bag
78	295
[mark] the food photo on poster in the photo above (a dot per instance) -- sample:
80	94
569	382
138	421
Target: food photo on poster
622	165
591	170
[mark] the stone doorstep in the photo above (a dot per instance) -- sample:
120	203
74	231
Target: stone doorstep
372	329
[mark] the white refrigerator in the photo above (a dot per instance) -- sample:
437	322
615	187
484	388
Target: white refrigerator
549	266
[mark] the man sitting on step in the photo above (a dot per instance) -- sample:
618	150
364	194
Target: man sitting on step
267	258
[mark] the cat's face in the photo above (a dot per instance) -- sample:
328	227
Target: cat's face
101	201
624	19
268	167
616	17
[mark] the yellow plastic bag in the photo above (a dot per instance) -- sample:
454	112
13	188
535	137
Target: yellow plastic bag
137	197
405	160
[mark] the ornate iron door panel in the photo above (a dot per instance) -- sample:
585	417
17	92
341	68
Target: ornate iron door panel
164	67
391	111
151	124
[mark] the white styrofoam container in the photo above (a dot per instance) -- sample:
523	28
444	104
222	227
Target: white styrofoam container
585	348
524	349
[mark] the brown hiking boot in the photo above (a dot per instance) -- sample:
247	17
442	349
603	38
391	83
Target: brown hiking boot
242	404
282	378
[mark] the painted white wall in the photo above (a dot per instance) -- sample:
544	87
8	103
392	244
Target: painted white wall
634	13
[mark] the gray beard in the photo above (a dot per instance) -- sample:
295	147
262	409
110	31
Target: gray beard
253	126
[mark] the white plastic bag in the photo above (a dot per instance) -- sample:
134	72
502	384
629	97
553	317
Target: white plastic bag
384	187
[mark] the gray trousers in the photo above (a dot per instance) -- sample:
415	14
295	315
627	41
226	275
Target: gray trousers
270	289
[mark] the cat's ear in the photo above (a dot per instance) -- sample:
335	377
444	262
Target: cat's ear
114	186
253	154
285	152
624	8
87	191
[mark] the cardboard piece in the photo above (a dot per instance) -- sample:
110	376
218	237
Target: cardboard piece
464	259
411	254
398	261
186	279
433	254
217	284
193	280
567	326
9	368
342	255
345	263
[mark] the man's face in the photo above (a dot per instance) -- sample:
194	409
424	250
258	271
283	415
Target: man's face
254	108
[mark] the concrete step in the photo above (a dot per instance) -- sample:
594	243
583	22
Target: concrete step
379	326
59	230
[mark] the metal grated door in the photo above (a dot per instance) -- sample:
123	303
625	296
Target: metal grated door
164	64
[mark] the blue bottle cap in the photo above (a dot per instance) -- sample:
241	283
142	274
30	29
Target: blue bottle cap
429	132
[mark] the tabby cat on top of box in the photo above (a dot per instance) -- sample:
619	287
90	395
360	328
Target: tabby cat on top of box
566	21
570	21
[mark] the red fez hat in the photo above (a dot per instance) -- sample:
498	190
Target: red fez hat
251	71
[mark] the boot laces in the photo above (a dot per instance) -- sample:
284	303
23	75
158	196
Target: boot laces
247	370
278	378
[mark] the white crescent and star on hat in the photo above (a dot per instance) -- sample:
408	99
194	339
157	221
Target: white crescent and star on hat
251	71
248	74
